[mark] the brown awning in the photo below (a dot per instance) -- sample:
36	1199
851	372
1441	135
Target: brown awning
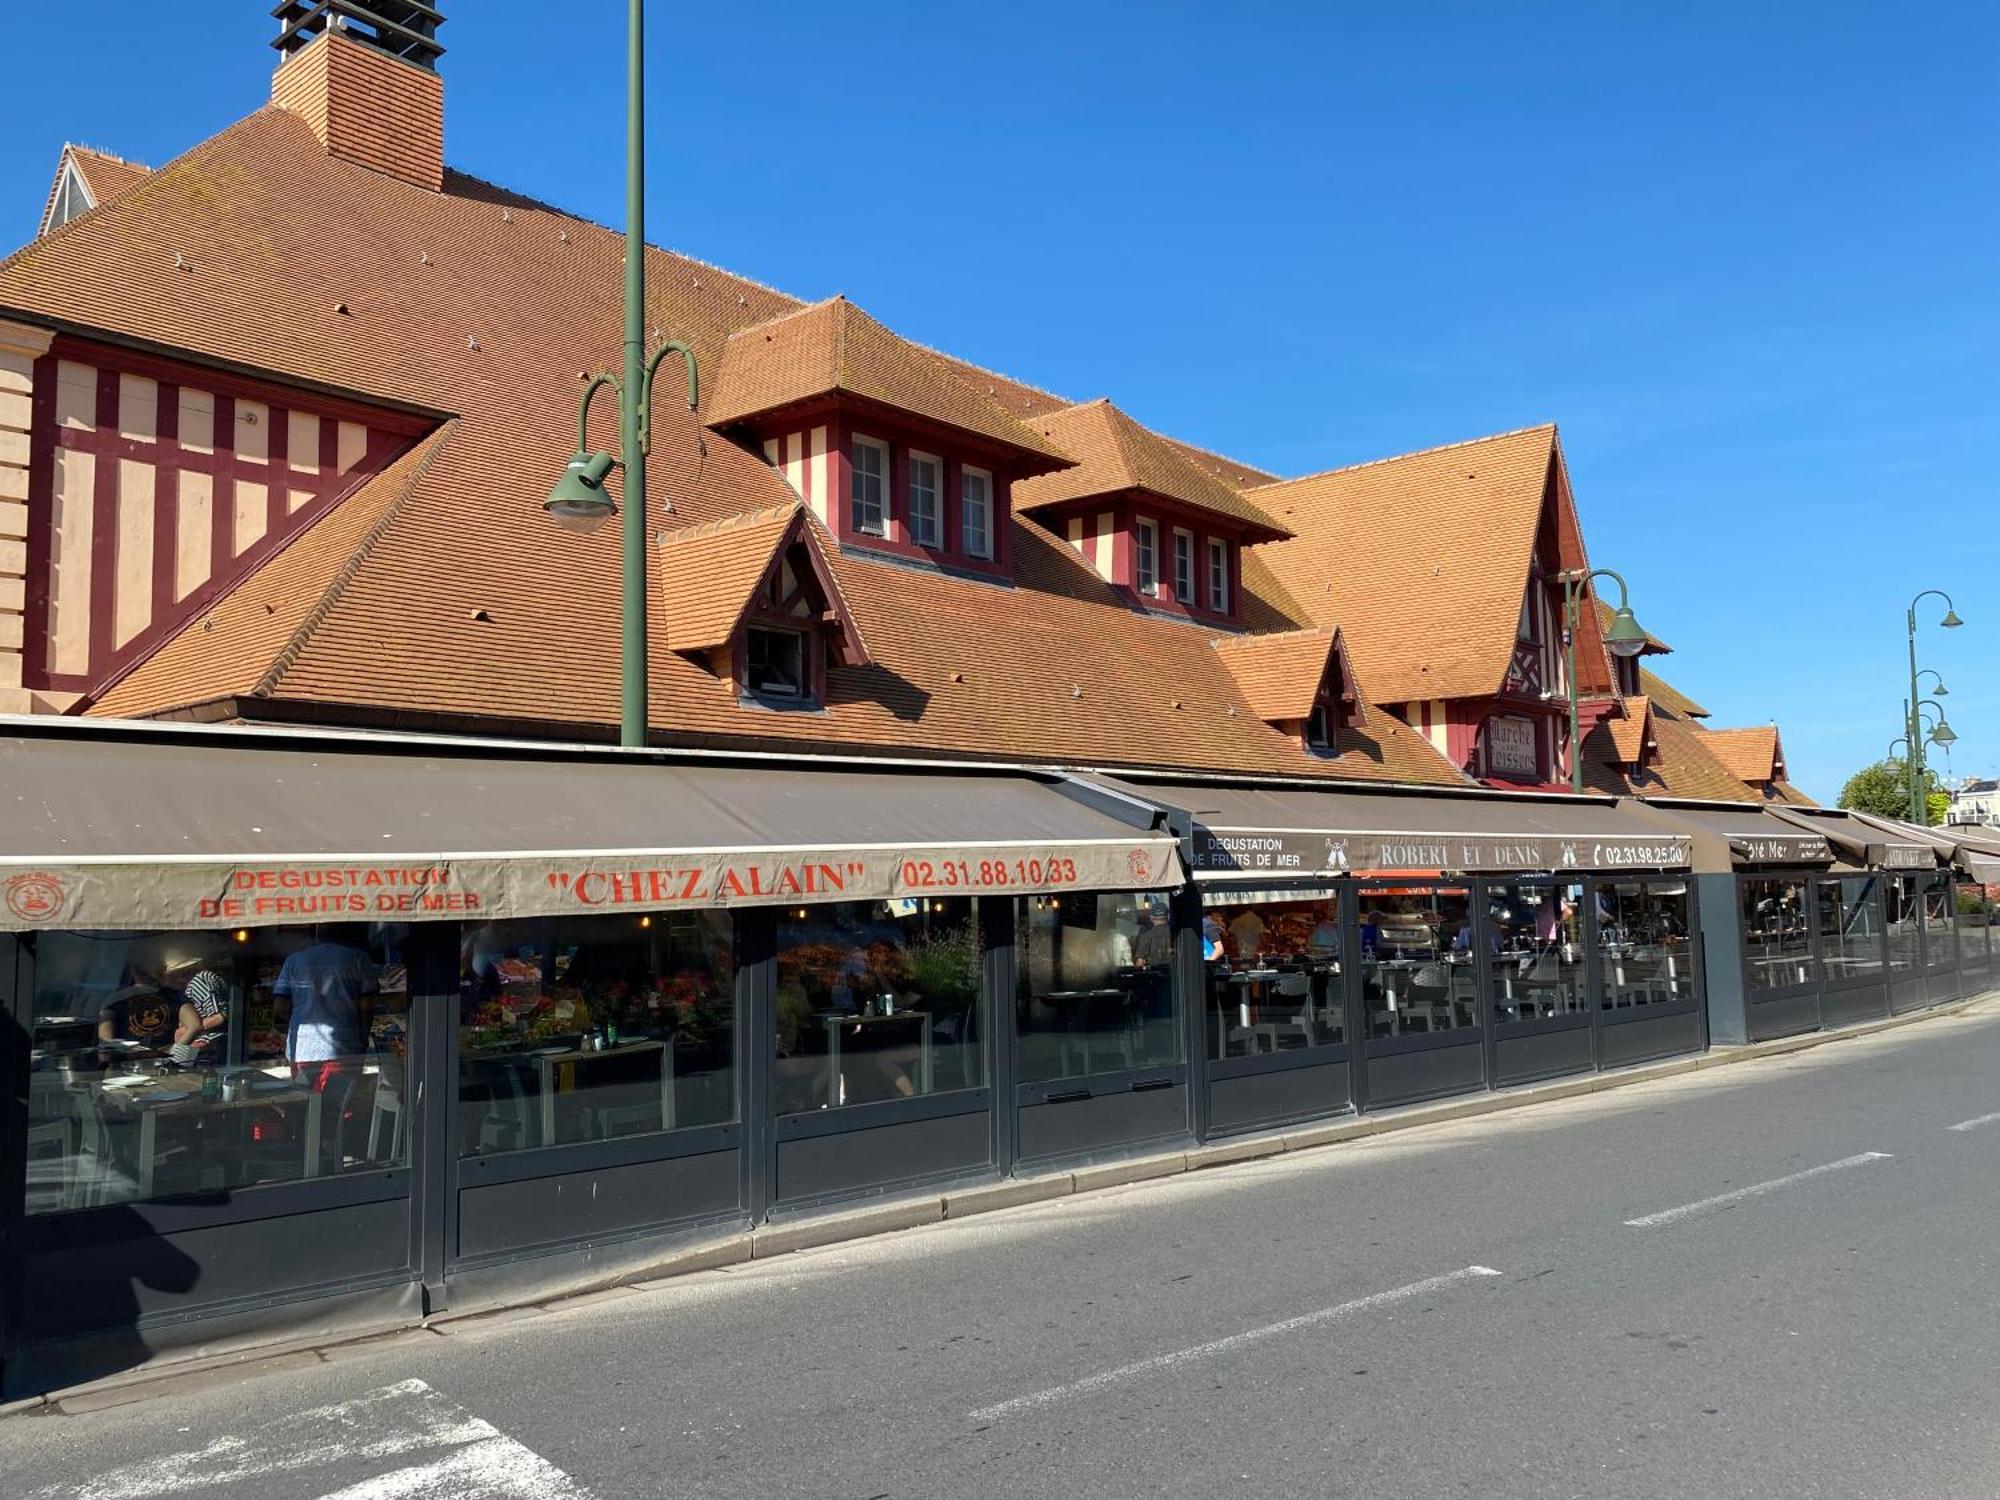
1288	833
210	829
1871	844
1729	837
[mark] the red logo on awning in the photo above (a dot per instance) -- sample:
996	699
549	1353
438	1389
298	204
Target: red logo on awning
35	896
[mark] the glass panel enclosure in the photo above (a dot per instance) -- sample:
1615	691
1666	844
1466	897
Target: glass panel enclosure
1416	976
1850	927
1901	904
1777	944
1273	974
1534	936
591	1028
170	1063
877	1001
1940	906
1094	989
1645	947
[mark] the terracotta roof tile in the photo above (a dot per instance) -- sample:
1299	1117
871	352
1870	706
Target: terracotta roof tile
1115	454
104	176
833	347
1421	560
1279	675
1669	698
709	571
438	593
1685	768
1752	754
1633	733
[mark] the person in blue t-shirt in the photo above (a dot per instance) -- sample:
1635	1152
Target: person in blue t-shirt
326	988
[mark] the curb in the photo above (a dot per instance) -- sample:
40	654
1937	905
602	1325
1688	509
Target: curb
768	1241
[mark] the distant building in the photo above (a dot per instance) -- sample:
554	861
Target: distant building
1977	801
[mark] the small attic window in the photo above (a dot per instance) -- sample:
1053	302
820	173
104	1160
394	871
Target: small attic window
72	198
1319	728
775	664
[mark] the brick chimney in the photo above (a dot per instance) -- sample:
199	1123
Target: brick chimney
364	77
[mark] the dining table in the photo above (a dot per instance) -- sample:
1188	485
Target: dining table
858	1024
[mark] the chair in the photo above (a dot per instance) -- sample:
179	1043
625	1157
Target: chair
387	1105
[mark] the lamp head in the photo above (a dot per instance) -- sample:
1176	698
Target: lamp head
1951	621
1943	734
579	502
1625	637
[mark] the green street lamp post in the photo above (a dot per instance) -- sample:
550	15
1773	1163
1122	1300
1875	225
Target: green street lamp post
1625	638
1913	724
579	501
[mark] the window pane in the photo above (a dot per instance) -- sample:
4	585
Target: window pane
878	1000
976	508
1146	575
170	1063
1644	947
1414	978
1096	992
775	662
1534	937
1777	948
1850	927
868	467
1218	577
1184	567
1940	920
1900	895
1273	972
923	502
590	1028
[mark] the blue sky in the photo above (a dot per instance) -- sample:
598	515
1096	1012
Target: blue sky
1742	254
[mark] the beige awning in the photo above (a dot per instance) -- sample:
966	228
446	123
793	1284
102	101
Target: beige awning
1729	837
1286	833
1869	843
100	829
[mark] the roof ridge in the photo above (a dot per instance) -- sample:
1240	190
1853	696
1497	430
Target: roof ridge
696	530
302	633
1393	458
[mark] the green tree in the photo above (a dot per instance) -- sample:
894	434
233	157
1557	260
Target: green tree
1884	790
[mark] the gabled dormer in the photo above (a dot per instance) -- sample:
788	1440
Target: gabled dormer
84	179
753	599
1297	681
1754	756
893	449
1145	514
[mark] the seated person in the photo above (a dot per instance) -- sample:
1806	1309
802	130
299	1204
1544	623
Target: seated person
204	1016
141	1012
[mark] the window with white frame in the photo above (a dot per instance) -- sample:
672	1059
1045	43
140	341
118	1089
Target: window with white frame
1146	557
924	471
975	508
1218	577
869	462
1184	567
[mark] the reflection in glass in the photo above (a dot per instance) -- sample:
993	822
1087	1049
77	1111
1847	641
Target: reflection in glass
1417	960
1095	989
1940	906
1535	940
1902	906
1850	927
170	1063
590	1028
1644	948
1777	945
1273	970
878	1000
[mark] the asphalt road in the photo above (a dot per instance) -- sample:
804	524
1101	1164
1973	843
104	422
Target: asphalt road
1779	1279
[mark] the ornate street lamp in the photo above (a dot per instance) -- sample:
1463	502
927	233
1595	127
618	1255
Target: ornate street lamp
1626	637
1913	727
579	501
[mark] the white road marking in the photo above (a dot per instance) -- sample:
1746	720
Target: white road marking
396	1422
1235	1341
1976	1121
1755	1190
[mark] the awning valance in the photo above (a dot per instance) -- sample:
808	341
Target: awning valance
1875	845
1728	838
1286	833
102	831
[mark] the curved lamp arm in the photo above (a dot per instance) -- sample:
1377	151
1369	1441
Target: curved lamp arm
672	346
583	410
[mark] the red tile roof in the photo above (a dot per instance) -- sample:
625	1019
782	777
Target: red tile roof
1669	697
709	575
439	595
1280	674
104	177
1115	455
1751	754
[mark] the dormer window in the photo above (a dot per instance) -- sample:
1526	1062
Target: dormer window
975	506
775	664
1145	558
1319	727
1218	576
868	494
1184	566
924	498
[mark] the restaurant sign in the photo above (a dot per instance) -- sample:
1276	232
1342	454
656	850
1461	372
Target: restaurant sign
1293	852
1902	856
200	893
1510	746
1787	849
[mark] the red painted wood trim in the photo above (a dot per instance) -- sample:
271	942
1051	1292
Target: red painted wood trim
41	520
166	500
222	503
278	448
104	538
111	356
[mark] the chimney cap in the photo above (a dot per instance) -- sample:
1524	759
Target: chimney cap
406	29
